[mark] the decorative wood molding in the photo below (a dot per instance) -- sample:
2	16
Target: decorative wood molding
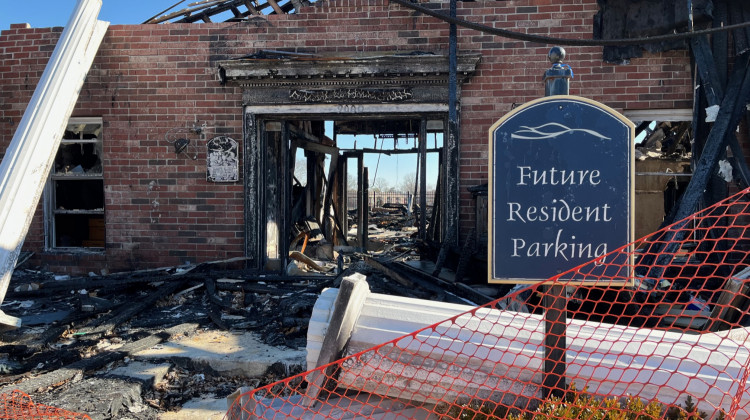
396	70
350	95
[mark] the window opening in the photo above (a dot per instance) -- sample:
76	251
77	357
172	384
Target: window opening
663	150
390	149
311	186
75	191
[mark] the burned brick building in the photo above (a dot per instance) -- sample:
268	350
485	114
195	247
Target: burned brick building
181	145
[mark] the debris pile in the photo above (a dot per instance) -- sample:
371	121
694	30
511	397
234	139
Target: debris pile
77	331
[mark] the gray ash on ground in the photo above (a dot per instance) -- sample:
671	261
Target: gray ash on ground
86	322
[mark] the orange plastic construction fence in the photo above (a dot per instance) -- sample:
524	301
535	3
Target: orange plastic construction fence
18	406
672	344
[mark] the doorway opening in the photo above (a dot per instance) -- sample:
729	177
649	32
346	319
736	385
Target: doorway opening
370	183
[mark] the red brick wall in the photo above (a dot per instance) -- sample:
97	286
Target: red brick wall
148	79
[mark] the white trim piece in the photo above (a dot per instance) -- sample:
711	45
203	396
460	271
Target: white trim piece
344	108
638	115
29	157
490	352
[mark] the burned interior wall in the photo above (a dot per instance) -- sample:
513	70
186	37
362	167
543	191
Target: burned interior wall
657	184
151	80
622	19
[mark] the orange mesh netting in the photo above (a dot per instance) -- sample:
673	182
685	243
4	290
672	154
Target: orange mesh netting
672	341
18	406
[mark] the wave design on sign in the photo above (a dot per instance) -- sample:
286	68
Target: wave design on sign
550	130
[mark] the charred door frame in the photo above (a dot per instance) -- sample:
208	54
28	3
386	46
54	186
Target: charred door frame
254	164
285	85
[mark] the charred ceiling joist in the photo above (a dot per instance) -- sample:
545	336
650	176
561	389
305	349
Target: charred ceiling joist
226	10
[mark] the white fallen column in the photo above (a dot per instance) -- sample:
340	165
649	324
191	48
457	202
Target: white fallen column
499	355
29	157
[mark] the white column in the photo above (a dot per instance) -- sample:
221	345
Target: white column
29	157
497	354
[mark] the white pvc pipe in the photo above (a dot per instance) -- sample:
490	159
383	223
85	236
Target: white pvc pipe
499	354
29	157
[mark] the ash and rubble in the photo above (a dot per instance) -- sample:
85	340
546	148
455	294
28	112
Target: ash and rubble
77	330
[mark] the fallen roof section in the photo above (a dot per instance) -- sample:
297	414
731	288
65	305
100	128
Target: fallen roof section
226	10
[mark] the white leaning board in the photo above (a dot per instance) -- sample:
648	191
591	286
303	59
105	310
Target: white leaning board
506	354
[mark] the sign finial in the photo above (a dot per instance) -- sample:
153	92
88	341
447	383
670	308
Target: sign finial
557	78
556	55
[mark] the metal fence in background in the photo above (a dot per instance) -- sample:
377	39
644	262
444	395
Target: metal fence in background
379	199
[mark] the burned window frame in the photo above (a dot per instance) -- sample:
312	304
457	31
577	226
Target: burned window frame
84	218
669	176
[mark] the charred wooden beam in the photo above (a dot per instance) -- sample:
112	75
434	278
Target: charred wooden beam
738	161
314	143
254	200
710	81
250	7
423	179
123	280
712	71
275	7
338	204
214	314
467	253
443	254
203	11
720	41
329	220
285	177
732	108
282	278
315	147
109	323
279	290
739	36
712	92
411	151
36	342
300	257
343	197
365	211
98	361
212	295
435	229
435	283
395	275
361	200
297	4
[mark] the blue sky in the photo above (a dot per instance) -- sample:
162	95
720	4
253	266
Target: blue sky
44	13
392	171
